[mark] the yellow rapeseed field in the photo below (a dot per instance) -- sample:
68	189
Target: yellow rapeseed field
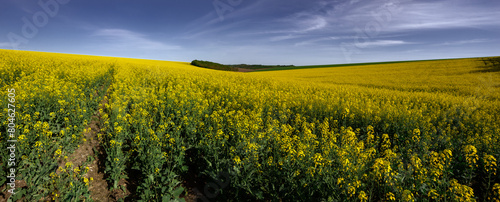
416	131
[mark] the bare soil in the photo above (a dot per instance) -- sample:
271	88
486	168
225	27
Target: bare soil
6	195
92	148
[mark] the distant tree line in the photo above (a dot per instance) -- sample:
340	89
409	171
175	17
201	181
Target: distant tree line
491	64
217	66
258	66
212	65
492	61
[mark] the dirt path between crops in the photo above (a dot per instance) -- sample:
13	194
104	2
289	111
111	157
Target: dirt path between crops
99	189
98	186
92	148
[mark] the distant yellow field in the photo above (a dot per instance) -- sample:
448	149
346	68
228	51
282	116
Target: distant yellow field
460	77
425	131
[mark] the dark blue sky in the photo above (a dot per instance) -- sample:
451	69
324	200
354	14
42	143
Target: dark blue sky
296	32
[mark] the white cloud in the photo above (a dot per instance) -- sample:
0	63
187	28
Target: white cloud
211	22
5	45
462	42
210	30
370	44
445	15
317	41
328	23
121	39
407	15
316	23
309	23
283	37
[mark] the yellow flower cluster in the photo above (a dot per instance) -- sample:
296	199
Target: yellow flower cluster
54	93
460	192
471	155
496	192
397	129
408	196
490	164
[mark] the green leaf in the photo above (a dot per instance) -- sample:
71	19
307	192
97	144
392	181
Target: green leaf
151	177
178	192
18	195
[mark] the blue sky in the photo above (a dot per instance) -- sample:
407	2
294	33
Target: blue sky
299	32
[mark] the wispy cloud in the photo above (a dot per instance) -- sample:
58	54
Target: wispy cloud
283	37
5	45
212	23
402	15
378	43
325	24
304	22
462	42
199	32
445	15
327	20
317	41
314	23
121	38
